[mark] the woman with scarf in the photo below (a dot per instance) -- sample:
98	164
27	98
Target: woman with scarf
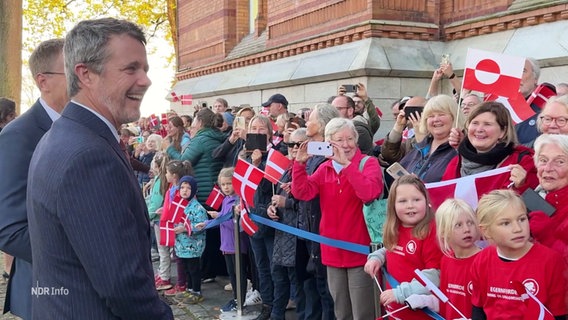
490	143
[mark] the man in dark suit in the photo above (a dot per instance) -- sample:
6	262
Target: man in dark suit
88	221
18	142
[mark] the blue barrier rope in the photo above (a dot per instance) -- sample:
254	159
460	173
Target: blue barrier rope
217	221
394	283
354	247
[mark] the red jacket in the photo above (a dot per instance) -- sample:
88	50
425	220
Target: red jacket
527	162
341	198
553	231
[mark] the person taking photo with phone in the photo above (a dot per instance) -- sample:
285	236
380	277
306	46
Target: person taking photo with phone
342	213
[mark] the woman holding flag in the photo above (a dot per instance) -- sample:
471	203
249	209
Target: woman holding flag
490	143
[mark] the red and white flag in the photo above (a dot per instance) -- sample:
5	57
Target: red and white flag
215	198
167	233
187	225
431	286
246	179
469	188
186	99
153	120
249	226
379	112
519	109
276	139
493	73
177	209
175	98
276	165
529	298
164	119
541	94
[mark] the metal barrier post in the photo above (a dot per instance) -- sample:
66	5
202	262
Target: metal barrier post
376	293
238	262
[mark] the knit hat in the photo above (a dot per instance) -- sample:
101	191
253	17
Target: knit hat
192	182
228	118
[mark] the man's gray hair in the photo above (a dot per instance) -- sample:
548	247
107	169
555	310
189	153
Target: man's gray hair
87	43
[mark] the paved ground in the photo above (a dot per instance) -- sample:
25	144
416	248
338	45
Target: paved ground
215	297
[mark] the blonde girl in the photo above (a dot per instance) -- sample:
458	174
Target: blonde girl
458	236
409	244
511	262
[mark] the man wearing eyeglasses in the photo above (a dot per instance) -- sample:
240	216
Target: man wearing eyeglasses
18	142
346	107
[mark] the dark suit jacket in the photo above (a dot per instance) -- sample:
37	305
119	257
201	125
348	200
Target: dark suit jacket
89	226
17	144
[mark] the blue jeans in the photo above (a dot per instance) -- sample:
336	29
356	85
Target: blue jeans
283	277
263	248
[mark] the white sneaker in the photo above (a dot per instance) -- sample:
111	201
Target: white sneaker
253	298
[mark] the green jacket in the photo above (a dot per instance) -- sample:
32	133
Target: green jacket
199	153
155	200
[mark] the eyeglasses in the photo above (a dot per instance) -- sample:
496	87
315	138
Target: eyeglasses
560	121
294	144
51	72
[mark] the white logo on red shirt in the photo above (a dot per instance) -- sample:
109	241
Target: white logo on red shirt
470	287
411	247
531	285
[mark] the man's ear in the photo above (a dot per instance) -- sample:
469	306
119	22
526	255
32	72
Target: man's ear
83	73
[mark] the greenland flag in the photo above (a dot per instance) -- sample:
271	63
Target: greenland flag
519	109
493	73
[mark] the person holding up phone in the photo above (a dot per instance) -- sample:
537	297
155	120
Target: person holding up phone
342	213
404	132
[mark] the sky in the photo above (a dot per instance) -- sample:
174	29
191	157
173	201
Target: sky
161	73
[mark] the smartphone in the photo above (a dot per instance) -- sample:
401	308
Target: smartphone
255	141
318	148
239	123
445	59
350	87
534	202
396	170
408	110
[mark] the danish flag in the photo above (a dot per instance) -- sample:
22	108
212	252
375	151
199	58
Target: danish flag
164	119
177	209
167	233
215	198
246	179
186	99
175	98
153	120
493	73
469	188
276	165
529	298
541	94
187	224
246	222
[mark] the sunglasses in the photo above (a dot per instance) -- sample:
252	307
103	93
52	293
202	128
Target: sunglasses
293	144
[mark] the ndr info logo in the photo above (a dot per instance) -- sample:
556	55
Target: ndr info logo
49	291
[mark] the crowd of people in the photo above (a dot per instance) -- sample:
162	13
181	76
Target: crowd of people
88	178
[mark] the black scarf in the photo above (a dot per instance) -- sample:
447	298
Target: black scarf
490	158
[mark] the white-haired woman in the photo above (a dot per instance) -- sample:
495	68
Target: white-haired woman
429	158
551	160
343	189
553	118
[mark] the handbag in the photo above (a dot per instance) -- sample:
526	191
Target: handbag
374	212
